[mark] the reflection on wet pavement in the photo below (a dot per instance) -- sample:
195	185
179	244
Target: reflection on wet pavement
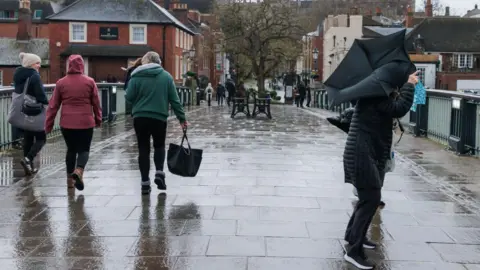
269	195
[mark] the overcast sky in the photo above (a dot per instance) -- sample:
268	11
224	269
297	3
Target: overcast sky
457	7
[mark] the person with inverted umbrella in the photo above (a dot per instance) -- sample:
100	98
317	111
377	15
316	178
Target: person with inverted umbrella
380	77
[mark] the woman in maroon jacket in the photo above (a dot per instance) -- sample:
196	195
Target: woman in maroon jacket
77	94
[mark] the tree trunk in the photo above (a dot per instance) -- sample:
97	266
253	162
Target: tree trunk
261	76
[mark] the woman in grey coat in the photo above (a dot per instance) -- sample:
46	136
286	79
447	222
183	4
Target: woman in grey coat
366	152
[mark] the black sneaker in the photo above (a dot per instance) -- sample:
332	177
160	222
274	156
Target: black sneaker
27	166
146	190
382	204
359	262
160	180
369	244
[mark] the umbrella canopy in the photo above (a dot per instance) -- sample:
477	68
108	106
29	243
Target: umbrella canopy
371	68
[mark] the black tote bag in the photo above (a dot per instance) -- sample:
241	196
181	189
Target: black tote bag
184	161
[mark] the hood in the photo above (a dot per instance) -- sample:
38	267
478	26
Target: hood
147	70
22	74
75	64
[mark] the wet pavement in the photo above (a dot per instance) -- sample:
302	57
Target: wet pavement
269	195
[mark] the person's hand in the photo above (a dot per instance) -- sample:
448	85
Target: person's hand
413	78
184	125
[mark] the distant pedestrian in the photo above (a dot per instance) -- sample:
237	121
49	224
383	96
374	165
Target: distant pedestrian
220	94
150	91
132	66
230	85
77	95
302	91
28	84
209	93
309	93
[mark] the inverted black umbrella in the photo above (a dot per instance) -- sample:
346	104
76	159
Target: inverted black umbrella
371	68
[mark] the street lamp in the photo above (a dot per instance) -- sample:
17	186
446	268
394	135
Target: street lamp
191	53
315	54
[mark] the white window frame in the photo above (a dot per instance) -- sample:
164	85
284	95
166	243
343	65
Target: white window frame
177	37
70	32
176	66
35	14
1	78
421	74
181	39
466	58
144	26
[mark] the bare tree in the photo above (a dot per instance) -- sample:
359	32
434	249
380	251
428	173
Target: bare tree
264	34
437	6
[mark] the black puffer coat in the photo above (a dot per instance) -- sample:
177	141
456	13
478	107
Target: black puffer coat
370	138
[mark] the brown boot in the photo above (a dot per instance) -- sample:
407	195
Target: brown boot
70	181
78	177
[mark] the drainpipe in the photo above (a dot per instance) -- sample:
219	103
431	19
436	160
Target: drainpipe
164	44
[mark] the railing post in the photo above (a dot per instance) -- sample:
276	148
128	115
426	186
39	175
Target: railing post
421	120
456	140
112	116
105	102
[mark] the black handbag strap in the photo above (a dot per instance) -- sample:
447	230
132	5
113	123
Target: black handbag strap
25	86
185	138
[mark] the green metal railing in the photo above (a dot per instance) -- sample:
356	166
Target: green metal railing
448	117
112	100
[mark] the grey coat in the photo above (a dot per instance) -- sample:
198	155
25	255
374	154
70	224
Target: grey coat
370	138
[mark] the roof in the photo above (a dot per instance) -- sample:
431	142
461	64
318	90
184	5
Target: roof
46	7
125	11
367	33
385	31
10	50
447	34
194	26
368	21
474	13
107	50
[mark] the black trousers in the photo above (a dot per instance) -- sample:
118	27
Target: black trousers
220	99
357	228
146	128
33	142
78	143
17	135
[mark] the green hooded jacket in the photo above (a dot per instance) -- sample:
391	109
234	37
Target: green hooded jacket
150	90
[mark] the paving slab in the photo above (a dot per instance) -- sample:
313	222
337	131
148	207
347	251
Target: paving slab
269	195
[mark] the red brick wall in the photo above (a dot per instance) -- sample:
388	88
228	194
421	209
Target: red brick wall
60	33
9	30
448	81
9	71
100	67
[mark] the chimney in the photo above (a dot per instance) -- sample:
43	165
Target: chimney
354	11
429	8
419	44
194	15
24	21
409	18
179	10
447	11
378	11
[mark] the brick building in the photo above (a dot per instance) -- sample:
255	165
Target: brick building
454	62
40	10
110	33
23	28
208	61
